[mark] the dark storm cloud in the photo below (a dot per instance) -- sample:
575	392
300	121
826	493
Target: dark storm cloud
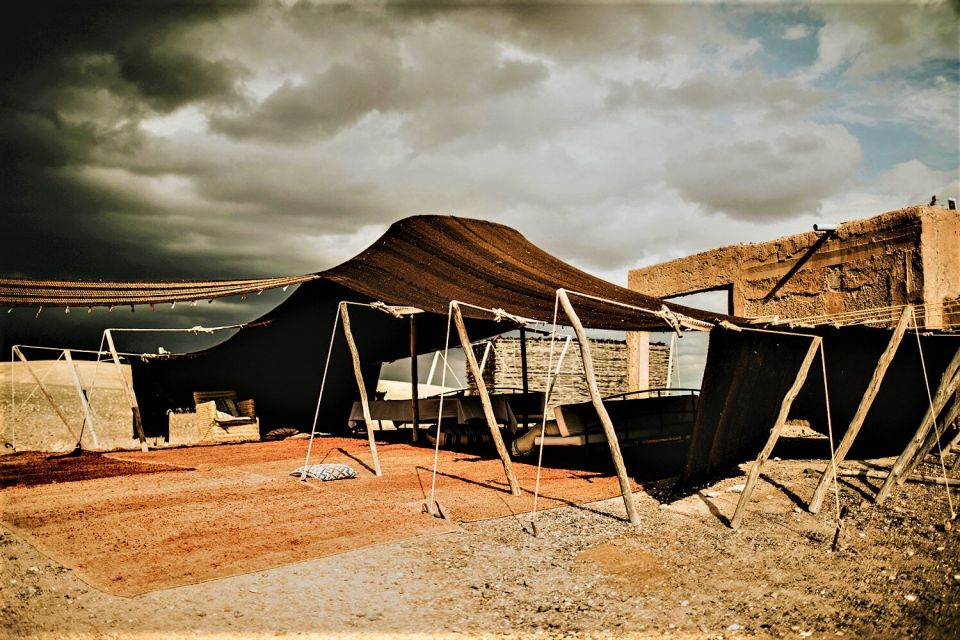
76	80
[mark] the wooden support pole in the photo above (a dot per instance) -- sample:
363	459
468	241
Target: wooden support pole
775	431
608	429
523	374
414	378
84	404
947	386
358	372
865	403
934	436
46	394
485	401
131	396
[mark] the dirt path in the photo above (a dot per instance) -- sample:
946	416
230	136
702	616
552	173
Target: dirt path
681	573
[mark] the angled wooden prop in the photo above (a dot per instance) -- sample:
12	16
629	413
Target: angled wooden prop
932	438
948	385
485	401
785	405
608	429
861	415
358	373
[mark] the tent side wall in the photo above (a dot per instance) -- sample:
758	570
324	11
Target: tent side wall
746	378
748	373
852	354
280	365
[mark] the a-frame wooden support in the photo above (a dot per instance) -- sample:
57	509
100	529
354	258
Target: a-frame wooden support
947	387
485	400
358	373
785	405
597	400
861	414
46	393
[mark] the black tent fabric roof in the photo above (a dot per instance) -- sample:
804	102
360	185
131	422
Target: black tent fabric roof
427	261
422	261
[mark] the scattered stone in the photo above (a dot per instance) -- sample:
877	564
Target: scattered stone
737	488
910	597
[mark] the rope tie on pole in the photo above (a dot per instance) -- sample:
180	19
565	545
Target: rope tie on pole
383	306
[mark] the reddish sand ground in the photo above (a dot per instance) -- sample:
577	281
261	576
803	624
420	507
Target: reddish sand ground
239	510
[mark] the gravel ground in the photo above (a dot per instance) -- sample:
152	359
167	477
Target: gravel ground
681	573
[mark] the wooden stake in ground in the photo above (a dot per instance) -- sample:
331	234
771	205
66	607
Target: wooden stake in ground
865	403
84	404
414	378
608	429
358	373
131	396
775	431
948	386
485	400
46	393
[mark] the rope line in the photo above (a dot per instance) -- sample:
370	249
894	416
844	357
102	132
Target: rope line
872	315
323	383
833	456
670	317
543	419
443	384
933	413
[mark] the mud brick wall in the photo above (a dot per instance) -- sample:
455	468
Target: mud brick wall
503	370
907	256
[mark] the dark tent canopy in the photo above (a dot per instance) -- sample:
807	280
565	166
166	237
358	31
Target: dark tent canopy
424	262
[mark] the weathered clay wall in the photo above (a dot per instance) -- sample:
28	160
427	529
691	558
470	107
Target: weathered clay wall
940	242
502	371
906	256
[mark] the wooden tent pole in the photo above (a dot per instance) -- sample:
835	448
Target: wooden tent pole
414	378
523	374
131	396
84	404
948	385
601	410
865	403
775	431
485	400
46	393
358	372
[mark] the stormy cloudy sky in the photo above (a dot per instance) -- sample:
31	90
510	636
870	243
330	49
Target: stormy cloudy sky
206	140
